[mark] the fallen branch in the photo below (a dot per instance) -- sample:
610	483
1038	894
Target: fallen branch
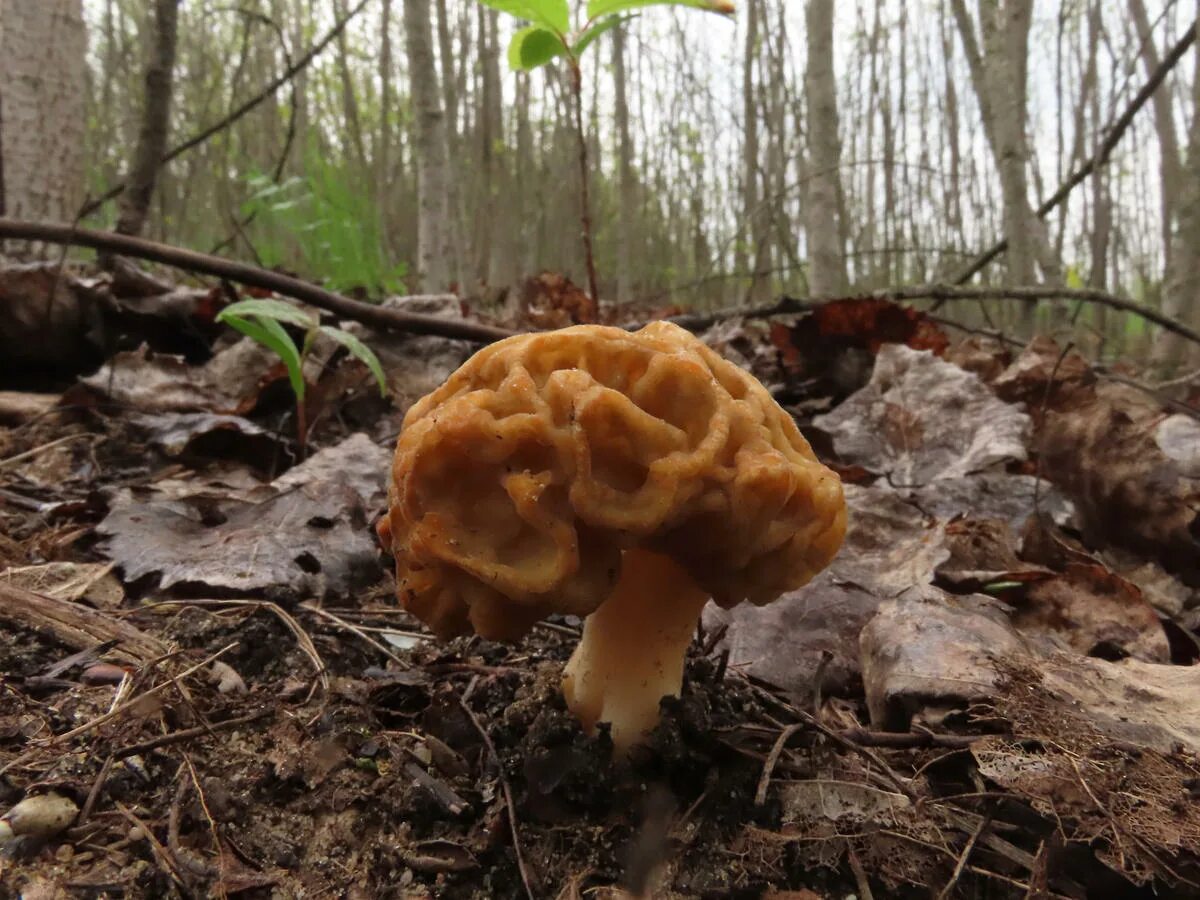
943	293
1115	132
205	133
186	734
253	276
76	625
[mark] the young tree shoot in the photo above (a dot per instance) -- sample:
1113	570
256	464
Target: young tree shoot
549	36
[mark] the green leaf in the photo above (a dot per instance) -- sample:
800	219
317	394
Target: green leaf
359	351
271	335
586	39
550	13
598	8
267	308
997	586
533	46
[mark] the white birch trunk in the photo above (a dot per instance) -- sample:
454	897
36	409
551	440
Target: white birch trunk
435	251
1182	295
827	261
43	49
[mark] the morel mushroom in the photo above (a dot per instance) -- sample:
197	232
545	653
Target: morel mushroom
625	477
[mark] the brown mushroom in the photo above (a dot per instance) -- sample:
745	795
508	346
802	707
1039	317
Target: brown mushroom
625	477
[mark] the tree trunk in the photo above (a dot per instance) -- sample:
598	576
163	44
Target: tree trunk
156	121
827	261
626	196
750	203
434	243
43	48
999	76
383	158
1182	293
1170	168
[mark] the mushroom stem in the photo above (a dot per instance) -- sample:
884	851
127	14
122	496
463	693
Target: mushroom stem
633	647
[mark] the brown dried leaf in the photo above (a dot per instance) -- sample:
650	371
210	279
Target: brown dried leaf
1096	612
313	538
890	547
151	382
921	419
1102	445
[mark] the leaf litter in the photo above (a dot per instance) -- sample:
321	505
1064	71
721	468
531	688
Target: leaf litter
983	692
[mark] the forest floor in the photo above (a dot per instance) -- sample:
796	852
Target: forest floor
207	689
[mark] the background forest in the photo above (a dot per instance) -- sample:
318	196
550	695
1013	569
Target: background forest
793	148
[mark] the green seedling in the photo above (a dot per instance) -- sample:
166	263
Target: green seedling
263	321
550	36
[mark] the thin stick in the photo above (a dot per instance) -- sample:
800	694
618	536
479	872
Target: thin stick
302	637
1115	132
94	794
160	852
764	782
13	460
244	273
186	734
354	629
963	857
205	133
212	823
185	858
504	786
942	293
95	723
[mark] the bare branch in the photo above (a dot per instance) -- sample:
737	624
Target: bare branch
253	276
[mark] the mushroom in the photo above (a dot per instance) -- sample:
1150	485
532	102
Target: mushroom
625	477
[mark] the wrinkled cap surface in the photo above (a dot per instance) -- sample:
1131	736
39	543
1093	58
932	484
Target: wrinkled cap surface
517	483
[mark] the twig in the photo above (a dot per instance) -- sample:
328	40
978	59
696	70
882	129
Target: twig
440	791
764	782
205	133
16	458
160	852
860	875
302	637
244	273
182	857
508	799
942	293
74	624
94	794
354	629
212	824
114	712
186	734
1115	132
984	822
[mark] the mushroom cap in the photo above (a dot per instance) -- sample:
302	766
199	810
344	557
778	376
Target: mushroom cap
517	484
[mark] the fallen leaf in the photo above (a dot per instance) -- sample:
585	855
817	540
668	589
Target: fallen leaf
936	652
357	461
47	318
1096	612
890	547
993	495
204	436
151	382
312	538
921	419
1100	444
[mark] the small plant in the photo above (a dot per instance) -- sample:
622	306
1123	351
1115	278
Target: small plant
325	224
263	321
550	36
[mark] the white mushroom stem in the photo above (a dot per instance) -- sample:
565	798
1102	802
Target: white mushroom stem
633	647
